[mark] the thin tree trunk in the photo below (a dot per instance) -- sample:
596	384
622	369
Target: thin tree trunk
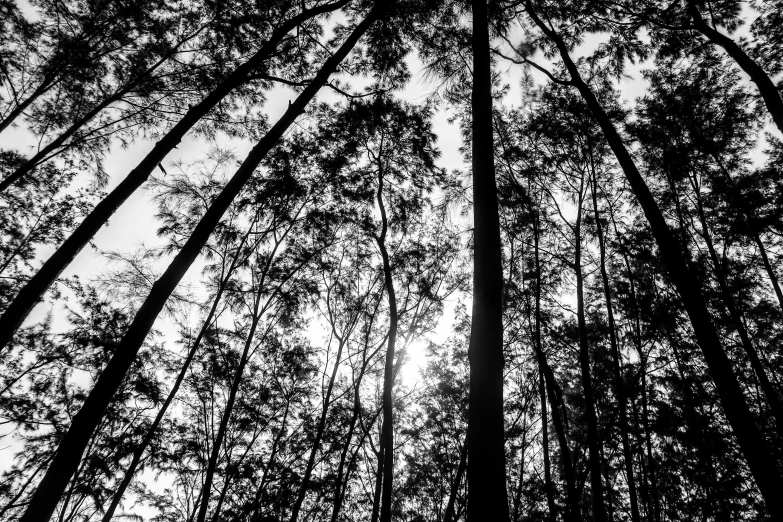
554	394
341	472
272	455
139	452
36	286
619	386
50	150
44	500
316	446
57	146
376	497
487	470
767	89
206	488
593	439
760	461
388	377
548	485
637	338
463	461
753	231
48	82
767	388
357	409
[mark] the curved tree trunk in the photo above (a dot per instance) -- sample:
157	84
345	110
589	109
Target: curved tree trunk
486	452
69	453
388	371
34	289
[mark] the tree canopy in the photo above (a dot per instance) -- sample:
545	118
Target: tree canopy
391	260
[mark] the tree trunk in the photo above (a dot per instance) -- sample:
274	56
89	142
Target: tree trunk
548	485
44	500
619	386
49	81
637	339
760	461
139	452
573	513
35	288
593	438
487	470
463	461
206	488
318	434
773	400
769	93
388	377
357	409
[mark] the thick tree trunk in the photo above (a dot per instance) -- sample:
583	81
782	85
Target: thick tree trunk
767	89
486	453
69	453
388	371
35	288
593	438
619	386
760	461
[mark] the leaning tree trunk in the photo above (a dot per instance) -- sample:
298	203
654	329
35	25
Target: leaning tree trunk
760	461
49	81
69	452
35	288
767	89
770	394
619	386
258	312
138	453
58	145
486	452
